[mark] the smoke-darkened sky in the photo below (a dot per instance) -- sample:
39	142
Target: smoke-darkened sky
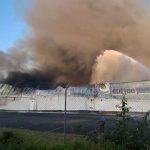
65	41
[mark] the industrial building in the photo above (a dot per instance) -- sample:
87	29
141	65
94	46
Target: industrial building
99	97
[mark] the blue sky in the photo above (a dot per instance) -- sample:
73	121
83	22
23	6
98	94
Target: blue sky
12	25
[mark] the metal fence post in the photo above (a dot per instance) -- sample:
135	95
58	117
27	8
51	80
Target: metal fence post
65	115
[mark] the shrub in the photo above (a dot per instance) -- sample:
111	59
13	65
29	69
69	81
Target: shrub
131	138
11	137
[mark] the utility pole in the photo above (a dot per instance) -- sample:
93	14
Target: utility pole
65	115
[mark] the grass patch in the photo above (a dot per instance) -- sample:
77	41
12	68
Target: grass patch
18	139
46	136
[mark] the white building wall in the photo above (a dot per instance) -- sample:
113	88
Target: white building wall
50	102
106	105
139	105
57	103
16	103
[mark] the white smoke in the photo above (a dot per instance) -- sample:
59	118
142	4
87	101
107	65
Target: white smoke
113	66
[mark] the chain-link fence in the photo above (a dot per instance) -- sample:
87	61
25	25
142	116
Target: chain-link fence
96	98
73	110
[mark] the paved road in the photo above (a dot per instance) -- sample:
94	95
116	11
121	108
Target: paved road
44	121
53	121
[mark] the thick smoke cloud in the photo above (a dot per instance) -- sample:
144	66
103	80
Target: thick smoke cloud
33	79
66	36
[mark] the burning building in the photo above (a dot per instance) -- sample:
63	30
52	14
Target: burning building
100	97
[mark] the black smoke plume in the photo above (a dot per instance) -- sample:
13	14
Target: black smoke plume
34	79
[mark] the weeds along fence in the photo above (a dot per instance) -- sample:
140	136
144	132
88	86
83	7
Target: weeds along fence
100	98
